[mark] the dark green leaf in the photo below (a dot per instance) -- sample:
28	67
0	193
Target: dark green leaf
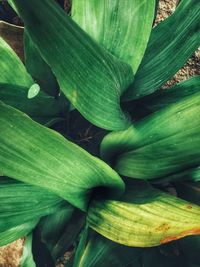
170	45
37	155
161	144
38	68
21	203
42	108
100	251
162	99
90	77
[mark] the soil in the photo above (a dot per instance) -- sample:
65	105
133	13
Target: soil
10	255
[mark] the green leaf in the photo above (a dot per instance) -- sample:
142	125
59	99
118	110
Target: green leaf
164	98
16	232
161	144
90	77
67	223
21	203
42	108
144	217
116	25
170	45
100	251
12	70
27	257
38	68
40	156
70	234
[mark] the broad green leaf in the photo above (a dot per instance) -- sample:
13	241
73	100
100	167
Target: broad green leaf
170	45
162	99
38	68
116	25
144	217
21	203
40	156
100	251
161	144
42	108
16	232
12	70
13	35
91	78
27	257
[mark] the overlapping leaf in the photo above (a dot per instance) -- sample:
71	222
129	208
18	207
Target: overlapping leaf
89	76
144	217
21	203
164	98
37	155
12	70
16	232
170	45
116	25
38	68
42	108
161	144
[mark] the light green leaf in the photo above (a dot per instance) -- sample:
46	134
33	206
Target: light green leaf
170	45
33	90
161	144
116	25
40	156
27	257
144	217
12	70
16	232
90	77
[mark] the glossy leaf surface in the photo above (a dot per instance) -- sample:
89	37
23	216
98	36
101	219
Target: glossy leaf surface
116	25
91	78
37	155
161	144
144	217
171	43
